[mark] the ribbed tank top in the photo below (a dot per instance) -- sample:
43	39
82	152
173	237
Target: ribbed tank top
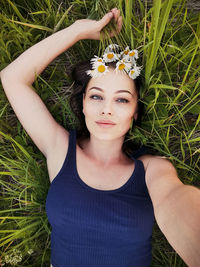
99	228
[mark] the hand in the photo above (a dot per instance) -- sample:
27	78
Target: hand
90	29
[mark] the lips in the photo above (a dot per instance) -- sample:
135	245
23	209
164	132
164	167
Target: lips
106	122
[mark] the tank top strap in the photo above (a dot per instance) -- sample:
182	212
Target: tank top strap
70	155
139	182
72	139
140	166
72	147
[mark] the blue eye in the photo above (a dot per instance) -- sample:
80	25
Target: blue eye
96	97
119	100
122	100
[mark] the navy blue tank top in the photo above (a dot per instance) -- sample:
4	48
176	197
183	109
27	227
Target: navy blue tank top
99	228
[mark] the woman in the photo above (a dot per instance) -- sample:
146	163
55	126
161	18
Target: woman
101	203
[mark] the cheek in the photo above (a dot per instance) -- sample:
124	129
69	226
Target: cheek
90	109
126	113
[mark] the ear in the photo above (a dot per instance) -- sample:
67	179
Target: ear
83	102
135	116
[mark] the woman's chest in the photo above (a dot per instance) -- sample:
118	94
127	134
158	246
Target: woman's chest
98	176
103	176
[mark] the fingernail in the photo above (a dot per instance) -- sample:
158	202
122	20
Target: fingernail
110	14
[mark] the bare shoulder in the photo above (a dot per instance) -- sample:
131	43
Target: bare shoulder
161	177
157	167
156	162
57	153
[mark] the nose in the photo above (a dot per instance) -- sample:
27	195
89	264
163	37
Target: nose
103	113
106	109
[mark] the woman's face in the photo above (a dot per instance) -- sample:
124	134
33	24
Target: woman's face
109	105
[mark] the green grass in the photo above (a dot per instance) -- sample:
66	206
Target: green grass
167	37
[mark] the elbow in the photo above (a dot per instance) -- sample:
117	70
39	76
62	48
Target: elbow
10	76
5	76
2	75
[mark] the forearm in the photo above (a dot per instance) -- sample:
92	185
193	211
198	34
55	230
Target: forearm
35	59
179	218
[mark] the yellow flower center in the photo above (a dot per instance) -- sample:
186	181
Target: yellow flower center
132	72
101	68
121	66
99	60
110	56
126	52
132	54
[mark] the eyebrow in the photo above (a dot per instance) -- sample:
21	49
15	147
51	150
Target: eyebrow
119	91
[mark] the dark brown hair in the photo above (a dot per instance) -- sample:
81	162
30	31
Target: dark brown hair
81	80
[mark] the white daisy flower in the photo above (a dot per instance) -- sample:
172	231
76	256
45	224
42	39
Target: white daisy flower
110	57
111	48
126	62
123	66
134	72
95	60
98	71
89	72
125	52
133	54
130	56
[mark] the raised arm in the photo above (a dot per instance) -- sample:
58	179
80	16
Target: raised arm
176	208
18	77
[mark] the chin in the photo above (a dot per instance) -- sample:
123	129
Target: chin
107	134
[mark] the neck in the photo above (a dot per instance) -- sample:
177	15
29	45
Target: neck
105	152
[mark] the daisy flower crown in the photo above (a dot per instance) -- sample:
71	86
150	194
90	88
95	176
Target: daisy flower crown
126	62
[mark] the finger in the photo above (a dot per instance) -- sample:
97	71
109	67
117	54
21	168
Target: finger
114	9
116	13
118	29
119	24
106	19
